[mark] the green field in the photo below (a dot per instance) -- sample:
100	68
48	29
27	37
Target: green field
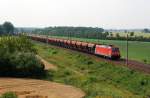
95	78
139	51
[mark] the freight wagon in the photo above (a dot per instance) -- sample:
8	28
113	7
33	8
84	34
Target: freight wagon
108	51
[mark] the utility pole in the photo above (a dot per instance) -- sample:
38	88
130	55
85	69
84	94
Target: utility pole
97	37
127	51
47	39
46	36
70	35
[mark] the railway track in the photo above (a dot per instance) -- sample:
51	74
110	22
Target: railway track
135	65
132	64
138	66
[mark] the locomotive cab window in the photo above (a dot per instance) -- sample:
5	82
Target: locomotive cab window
115	49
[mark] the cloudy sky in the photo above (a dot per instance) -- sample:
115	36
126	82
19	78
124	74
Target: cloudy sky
96	13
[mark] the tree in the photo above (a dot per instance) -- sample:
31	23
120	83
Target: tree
106	33
132	34
1	29
111	35
117	35
146	30
8	28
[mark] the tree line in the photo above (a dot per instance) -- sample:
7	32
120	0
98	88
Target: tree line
6	28
130	38
146	30
80	32
88	32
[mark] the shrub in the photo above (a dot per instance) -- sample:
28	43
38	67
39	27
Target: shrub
9	95
17	57
22	64
27	63
13	43
145	61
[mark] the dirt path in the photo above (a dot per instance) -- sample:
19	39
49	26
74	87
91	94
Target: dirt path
47	64
31	88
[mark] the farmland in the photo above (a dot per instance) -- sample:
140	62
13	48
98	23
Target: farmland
137	50
122	34
94	77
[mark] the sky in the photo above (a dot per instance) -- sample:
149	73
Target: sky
109	14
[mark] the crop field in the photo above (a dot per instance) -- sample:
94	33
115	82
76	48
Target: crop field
139	51
135	34
94	77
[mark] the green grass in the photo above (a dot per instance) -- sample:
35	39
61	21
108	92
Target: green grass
139	51
95	78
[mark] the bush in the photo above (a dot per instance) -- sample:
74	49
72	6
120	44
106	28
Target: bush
18	57
13	44
27	64
20	64
145	61
9	95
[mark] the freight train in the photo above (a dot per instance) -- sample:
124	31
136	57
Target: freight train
107	51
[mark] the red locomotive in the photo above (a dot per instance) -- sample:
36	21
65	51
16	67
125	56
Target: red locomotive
109	51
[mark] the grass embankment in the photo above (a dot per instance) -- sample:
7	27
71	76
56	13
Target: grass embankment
94	77
139	51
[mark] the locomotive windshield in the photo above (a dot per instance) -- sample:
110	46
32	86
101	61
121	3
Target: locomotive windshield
115	49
